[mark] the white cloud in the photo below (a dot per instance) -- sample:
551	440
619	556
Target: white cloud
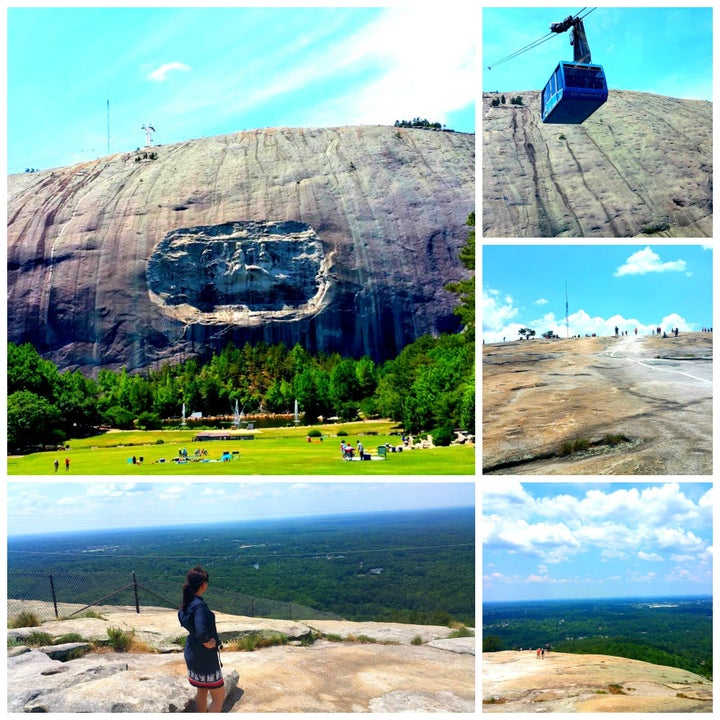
160	74
636	577
553	542
648	522
646	261
507	498
675	539
496	326
650	557
541	301
497	311
383	70
405	77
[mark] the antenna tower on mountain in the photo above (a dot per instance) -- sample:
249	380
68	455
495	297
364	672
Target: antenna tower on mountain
567	319
149	129
108	124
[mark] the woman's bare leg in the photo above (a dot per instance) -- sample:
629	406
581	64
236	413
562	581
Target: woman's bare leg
218	696
201	700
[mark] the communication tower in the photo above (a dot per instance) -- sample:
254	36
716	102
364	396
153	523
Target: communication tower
567	317
149	129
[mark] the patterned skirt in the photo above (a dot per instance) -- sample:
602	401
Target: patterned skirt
204	670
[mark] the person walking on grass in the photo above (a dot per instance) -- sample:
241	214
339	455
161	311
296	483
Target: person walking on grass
203	644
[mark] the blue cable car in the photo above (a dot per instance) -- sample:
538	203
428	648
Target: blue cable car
576	89
573	93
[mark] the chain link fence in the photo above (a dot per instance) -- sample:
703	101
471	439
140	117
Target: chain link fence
65	594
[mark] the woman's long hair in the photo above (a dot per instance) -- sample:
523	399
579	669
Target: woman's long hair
195	578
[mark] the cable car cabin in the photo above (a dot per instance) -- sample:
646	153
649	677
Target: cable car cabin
573	93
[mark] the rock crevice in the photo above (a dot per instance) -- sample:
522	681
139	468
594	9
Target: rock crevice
639	166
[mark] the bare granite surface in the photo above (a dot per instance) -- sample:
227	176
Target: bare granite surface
641	165
351	667
517	681
634	405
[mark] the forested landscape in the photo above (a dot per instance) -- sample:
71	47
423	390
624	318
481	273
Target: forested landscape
413	567
665	631
428	387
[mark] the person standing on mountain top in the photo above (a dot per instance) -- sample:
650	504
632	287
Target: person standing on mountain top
203	644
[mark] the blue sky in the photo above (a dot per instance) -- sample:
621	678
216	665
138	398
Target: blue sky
197	72
641	286
595	540
42	507
663	50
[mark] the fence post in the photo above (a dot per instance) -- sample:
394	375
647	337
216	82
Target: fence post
52	591
135	588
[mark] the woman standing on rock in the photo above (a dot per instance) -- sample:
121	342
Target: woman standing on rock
203	645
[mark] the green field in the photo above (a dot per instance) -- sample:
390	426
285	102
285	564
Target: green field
273	451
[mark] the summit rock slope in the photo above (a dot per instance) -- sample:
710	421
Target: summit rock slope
516	681
341	239
641	165
635	405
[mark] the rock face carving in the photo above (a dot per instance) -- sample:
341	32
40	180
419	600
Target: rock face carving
243	273
340	239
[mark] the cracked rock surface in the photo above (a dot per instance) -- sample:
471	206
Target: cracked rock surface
611	406
393	673
641	165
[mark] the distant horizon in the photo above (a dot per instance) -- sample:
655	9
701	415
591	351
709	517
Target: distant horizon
247	521
702	596
71	508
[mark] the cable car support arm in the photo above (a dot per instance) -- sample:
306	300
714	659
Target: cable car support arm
578	39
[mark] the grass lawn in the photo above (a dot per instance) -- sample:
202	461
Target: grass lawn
273	451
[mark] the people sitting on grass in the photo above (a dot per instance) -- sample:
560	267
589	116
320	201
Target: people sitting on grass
348	451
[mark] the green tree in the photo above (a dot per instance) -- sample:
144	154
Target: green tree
366	375
491	643
31	420
526	333
26	370
345	389
274	400
118	417
76	401
465	289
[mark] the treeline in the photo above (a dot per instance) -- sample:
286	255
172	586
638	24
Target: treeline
418	123
679	635
428	387
637	650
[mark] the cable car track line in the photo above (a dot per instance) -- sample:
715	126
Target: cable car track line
539	41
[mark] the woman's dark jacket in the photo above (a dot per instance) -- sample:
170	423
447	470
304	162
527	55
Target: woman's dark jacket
199	621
